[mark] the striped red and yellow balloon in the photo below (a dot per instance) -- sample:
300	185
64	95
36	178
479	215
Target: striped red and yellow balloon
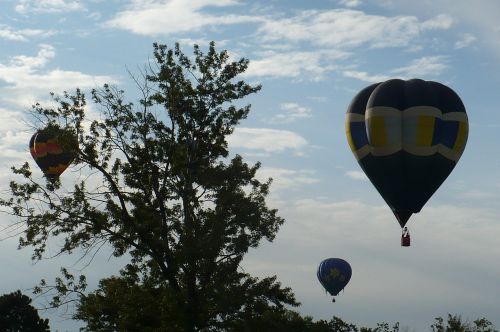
49	154
407	136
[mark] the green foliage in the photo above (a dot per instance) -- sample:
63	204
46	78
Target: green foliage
122	305
287	320
17	314
455	324
157	184
381	327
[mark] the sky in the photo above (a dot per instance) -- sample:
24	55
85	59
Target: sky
311	58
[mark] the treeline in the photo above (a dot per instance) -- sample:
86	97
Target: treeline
290	321
17	314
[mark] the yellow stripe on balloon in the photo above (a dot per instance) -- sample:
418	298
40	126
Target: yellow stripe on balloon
461	137
377	131
349	136
56	170
425	130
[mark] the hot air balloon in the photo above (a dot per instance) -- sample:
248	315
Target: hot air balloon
407	137
49	154
334	274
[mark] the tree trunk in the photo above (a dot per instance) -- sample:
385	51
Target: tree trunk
192	303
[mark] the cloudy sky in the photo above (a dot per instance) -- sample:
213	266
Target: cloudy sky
311	57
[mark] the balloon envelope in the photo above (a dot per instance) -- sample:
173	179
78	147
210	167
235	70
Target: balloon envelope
334	274
49	154
407	137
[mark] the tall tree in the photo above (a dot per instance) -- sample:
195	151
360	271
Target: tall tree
160	186
17	314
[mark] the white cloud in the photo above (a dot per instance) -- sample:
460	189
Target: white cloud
429	66
14	137
148	17
43	56
203	43
351	3
299	65
481	17
9	33
365	77
442	229
295	111
347	28
334	34
342	28
321	217
267	140
290	113
352	28
48	6
356	175
425	66
28	79
477	194
465	41
439	22
284	179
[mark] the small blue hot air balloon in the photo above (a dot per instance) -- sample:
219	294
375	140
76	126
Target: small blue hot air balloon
334	274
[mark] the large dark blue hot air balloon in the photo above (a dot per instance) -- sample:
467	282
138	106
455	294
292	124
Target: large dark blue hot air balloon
49	153
334	274
407	136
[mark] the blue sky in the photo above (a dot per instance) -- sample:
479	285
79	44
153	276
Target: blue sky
311	57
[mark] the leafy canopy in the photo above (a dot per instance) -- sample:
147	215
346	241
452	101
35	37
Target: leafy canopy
154	180
17	314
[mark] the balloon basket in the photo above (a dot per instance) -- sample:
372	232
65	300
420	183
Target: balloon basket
405	238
